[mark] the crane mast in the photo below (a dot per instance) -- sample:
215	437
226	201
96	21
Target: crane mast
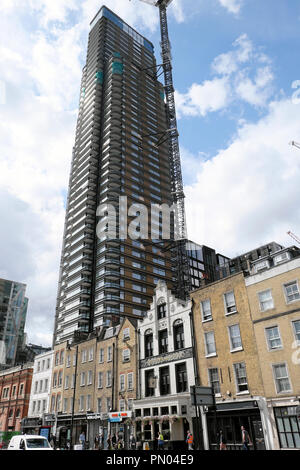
183	280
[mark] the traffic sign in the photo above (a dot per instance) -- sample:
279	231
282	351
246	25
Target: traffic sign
202	396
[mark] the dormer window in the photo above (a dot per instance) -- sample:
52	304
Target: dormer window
282	258
261	266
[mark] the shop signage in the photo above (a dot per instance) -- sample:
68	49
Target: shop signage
94	416
49	417
169	357
238	405
117	416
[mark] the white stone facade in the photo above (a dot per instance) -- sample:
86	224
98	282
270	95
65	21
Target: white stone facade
41	385
171	393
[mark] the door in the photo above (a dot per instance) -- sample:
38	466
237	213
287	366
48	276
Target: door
259	440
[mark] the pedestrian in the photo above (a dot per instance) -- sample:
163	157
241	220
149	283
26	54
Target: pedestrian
96	442
222	441
160	441
120	445
52	441
114	441
132	442
245	439
190	440
82	440
108	440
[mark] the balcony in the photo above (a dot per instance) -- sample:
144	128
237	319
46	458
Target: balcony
112	286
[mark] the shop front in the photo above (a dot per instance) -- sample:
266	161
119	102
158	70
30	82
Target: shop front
61	427
171	417
229	418
31	425
121	427
287	420
97	425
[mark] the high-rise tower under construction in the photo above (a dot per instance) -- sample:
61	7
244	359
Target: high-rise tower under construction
119	160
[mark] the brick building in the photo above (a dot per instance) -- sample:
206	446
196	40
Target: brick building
247	331
15	386
274	299
227	359
87	372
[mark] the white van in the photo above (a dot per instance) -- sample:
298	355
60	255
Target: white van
29	442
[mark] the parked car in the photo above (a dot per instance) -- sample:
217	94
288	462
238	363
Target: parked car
29	442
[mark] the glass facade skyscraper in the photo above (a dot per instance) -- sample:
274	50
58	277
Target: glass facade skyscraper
13	310
119	152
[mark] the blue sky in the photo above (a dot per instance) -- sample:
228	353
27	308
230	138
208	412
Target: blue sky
235	62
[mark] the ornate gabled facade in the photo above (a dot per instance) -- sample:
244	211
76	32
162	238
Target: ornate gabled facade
166	371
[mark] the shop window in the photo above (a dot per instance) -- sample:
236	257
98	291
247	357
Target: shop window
288	427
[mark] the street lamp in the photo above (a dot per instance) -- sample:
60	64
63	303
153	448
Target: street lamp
74	391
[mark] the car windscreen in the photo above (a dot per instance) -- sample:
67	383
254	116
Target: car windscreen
37	443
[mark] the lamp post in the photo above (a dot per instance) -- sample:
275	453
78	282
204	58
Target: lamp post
74	392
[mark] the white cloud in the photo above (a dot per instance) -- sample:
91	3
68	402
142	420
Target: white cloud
257	91
234	82
248	194
210	96
53	10
233	6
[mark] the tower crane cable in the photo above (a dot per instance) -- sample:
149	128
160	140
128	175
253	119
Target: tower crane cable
291	234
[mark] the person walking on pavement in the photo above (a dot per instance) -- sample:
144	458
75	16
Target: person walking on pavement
97	442
245	439
114	441
82	440
132	442
190	440
222	441
160	441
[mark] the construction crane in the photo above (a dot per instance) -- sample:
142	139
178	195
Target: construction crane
291	234
182	285
295	144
